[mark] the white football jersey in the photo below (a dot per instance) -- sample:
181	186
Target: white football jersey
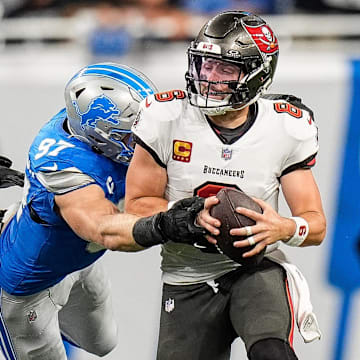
179	137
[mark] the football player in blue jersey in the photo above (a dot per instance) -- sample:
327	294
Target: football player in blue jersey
52	287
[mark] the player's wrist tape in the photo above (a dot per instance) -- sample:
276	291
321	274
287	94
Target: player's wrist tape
147	232
301	231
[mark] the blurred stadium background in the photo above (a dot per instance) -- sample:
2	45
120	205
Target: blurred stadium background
44	42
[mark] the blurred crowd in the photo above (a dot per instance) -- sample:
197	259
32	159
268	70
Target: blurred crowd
151	8
167	19
115	25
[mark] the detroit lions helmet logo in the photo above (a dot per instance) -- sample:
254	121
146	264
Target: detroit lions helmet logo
101	108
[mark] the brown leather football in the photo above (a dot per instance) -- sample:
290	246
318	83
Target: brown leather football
230	199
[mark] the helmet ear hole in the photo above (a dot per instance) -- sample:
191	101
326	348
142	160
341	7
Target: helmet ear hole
78	93
106	88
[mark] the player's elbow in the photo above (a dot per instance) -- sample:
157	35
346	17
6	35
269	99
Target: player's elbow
130	205
139	206
135	206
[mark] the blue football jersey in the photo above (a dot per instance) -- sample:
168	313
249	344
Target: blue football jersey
38	248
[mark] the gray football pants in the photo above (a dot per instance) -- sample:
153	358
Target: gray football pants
200	322
79	308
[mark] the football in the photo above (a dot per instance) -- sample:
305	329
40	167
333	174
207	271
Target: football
230	199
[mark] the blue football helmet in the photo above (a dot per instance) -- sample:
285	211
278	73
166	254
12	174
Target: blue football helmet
102	101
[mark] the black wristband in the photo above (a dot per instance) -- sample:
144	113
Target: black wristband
146	231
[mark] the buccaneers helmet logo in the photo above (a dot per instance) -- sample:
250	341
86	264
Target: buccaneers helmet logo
264	38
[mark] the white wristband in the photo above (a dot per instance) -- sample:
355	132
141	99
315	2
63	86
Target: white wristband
171	204
301	232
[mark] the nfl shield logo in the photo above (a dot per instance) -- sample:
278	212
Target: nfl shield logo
32	316
226	154
169	305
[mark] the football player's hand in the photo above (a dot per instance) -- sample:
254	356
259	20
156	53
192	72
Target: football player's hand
9	177
210	224
177	224
270	227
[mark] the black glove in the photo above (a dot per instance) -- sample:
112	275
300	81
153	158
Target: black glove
9	177
176	224
5	162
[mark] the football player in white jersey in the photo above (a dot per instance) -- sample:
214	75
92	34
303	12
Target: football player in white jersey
224	132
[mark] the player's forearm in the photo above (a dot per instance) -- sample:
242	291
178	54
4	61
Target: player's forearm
126	232
85	220
145	206
115	233
317	228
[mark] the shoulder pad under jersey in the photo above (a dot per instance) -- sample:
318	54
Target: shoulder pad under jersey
167	101
160	108
156	119
297	117
291	99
